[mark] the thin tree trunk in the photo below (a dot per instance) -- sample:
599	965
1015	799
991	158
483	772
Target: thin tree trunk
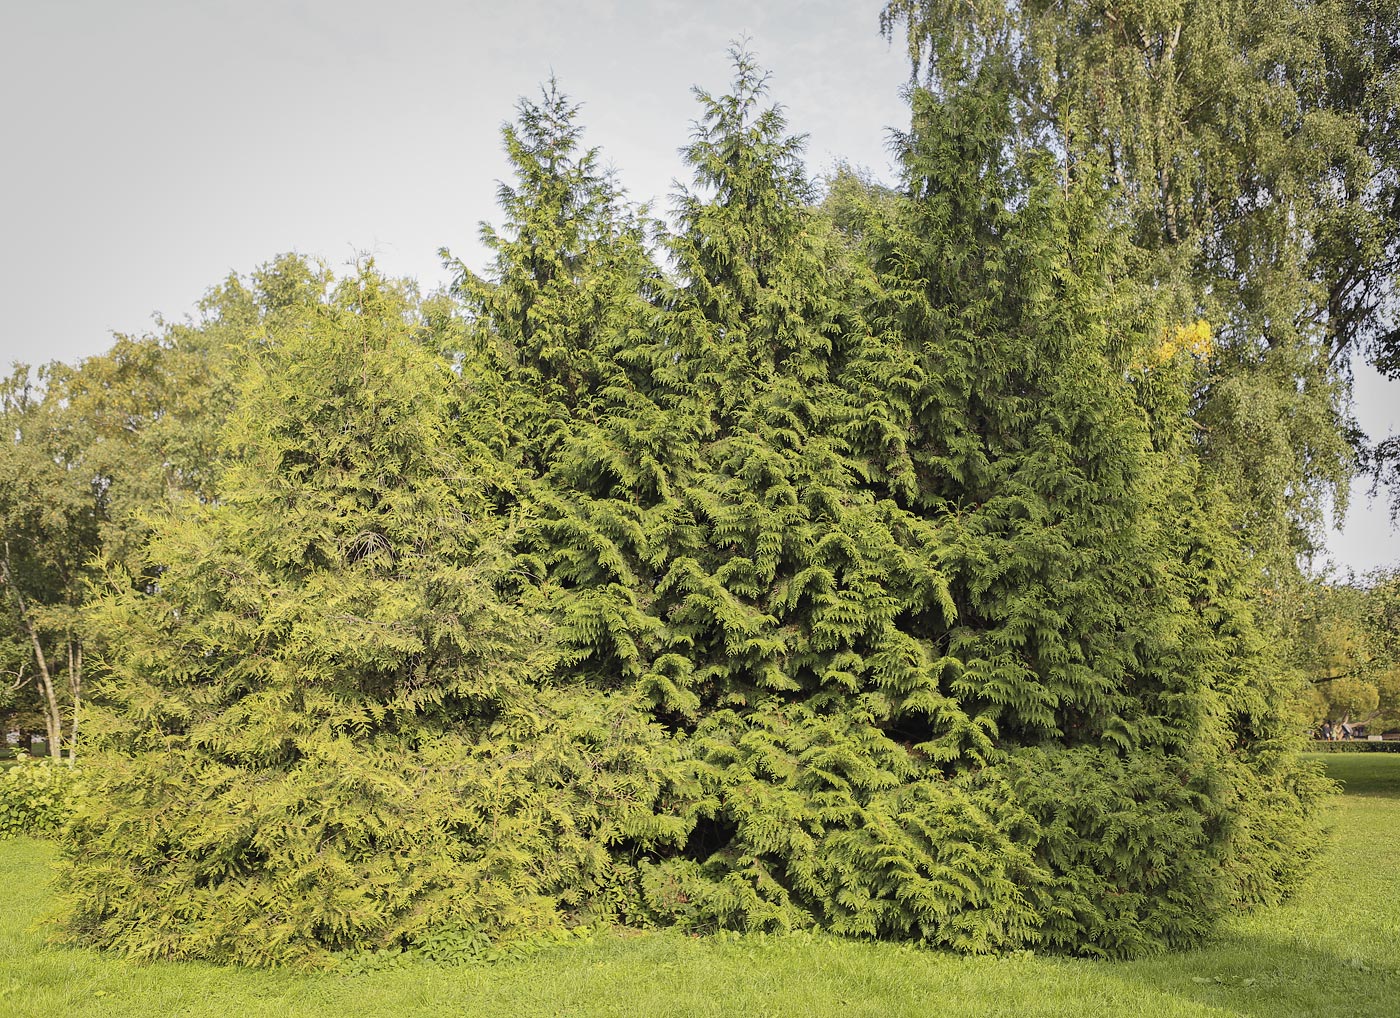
75	689
53	720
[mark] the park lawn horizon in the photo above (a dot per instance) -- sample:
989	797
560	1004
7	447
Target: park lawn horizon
1334	949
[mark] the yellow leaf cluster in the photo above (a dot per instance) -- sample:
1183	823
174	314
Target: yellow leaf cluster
1194	338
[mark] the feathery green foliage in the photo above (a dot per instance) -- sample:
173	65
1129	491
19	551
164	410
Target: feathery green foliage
856	571
320	730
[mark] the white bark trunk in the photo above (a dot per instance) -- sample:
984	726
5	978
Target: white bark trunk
53	719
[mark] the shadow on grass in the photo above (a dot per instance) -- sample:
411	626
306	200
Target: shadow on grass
1267	977
1364	774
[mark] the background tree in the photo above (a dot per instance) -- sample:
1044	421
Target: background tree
1252	150
97	447
1348	650
52	508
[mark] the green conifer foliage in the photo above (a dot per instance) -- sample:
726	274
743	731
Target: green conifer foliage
950	640
560	327
856	572
570	267
798	575
787	610
1270	799
1103	639
708	544
1027	447
323	729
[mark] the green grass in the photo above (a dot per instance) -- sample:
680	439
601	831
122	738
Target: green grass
1364	774
1333	951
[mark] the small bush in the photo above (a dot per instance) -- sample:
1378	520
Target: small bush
35	796
1353	746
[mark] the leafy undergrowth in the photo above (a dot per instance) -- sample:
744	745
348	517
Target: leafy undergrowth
1333	951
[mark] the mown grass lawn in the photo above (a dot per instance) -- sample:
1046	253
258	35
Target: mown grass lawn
1334	951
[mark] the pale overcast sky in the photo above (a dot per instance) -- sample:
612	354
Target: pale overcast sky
150	147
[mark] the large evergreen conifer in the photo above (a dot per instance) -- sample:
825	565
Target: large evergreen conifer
854	572
323	727
896	558
1102	643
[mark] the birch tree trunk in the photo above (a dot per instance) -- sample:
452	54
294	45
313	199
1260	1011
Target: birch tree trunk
53	718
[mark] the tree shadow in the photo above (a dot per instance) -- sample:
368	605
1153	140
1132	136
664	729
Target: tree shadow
1369	775
1265	976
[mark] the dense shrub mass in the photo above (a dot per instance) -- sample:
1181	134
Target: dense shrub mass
36	796
852	571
